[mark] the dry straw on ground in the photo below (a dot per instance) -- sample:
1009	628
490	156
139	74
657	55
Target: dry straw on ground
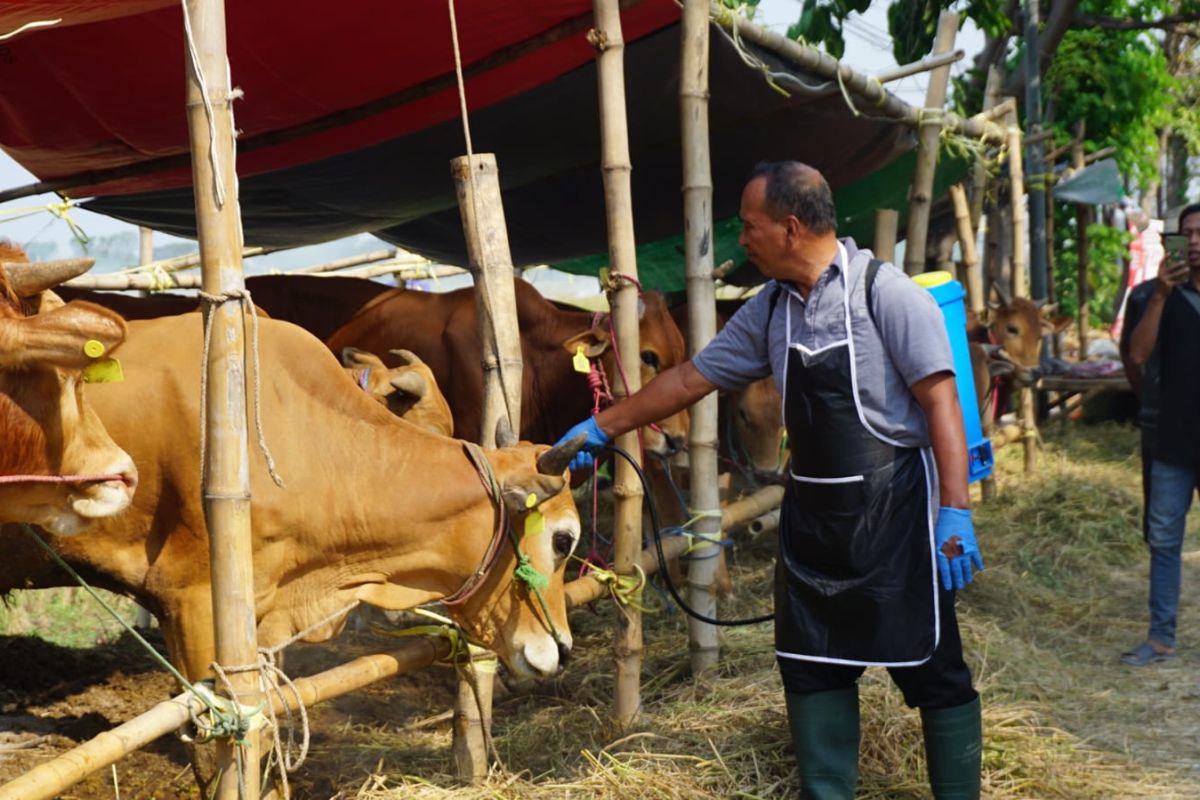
1062	595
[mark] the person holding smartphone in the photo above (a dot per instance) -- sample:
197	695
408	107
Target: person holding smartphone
1161	350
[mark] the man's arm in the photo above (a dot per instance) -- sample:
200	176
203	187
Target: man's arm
938	398
669	392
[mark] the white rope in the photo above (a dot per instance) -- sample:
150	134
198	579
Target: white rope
211	302
213	156
462	91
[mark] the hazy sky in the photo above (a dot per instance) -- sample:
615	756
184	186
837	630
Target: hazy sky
867	49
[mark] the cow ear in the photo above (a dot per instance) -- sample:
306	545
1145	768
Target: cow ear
60	336
594	342
353	357
410	383
541	487
1056	325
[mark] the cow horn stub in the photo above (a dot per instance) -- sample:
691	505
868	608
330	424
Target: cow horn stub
30	278
556	459
407	358
504	433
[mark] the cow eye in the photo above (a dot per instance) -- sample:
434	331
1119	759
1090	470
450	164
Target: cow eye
564	543
650	359
1013	330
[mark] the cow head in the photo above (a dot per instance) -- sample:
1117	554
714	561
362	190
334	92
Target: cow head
506	615
408	390
47	429
662	348
1016	328
758	425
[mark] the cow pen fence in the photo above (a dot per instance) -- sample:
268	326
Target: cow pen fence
227	502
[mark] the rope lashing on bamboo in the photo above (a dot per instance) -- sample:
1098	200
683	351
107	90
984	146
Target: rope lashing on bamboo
724	17
211	301
625	590
699	540
207	101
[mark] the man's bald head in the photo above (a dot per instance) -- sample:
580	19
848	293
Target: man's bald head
796	189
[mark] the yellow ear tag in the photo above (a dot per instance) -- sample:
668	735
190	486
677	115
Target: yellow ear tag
580	361
104	370
535	523
93	348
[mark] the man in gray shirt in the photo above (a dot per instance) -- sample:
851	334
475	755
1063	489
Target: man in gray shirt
877	505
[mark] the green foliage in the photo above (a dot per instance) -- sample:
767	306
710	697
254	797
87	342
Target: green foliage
821	23
1118	84
1107	247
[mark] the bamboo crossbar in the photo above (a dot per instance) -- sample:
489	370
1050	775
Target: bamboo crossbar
53	777
586	589
926	64
349	261
751	506
868	89
190	261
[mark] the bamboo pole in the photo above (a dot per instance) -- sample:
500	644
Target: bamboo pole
1083	217
607	38
751	506
966	240
703	642
989	225
887	225
145	245
926	64
226	479
1020	285
350	261
153	282
52	778
191	260
929	142
861	87
477	185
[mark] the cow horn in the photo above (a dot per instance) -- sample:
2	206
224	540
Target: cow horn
504	433
556	459
411	383
407	358
1000	291
29	278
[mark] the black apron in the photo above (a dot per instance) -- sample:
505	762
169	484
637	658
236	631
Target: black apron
855	580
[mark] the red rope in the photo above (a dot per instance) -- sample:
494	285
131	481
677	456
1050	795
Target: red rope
60	478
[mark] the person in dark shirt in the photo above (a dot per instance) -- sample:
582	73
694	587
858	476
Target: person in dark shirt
1161	350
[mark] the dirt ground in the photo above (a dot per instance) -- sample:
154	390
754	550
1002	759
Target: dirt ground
1043	627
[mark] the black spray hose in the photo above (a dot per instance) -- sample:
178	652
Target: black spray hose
662	558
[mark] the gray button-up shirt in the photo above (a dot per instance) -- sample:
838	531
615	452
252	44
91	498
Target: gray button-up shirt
907	341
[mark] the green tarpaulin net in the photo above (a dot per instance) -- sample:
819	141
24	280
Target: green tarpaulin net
660	263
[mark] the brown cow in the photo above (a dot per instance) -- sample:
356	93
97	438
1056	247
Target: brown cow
373	509
47	430
409	391
1011	342
320	305
442	330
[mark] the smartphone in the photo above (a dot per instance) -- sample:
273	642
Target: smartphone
1176	245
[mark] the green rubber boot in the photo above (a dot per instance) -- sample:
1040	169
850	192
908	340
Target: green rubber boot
953	749
825	735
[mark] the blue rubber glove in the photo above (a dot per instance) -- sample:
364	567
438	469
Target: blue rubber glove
596	439
956	532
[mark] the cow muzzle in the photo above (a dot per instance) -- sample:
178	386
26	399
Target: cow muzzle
542	657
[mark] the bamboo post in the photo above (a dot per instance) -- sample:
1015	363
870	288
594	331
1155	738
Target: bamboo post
226	479
966	240
979	172
477	185
607	38
145	245
1083	217
887	225
703	642
929	133
1020	285
53	777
